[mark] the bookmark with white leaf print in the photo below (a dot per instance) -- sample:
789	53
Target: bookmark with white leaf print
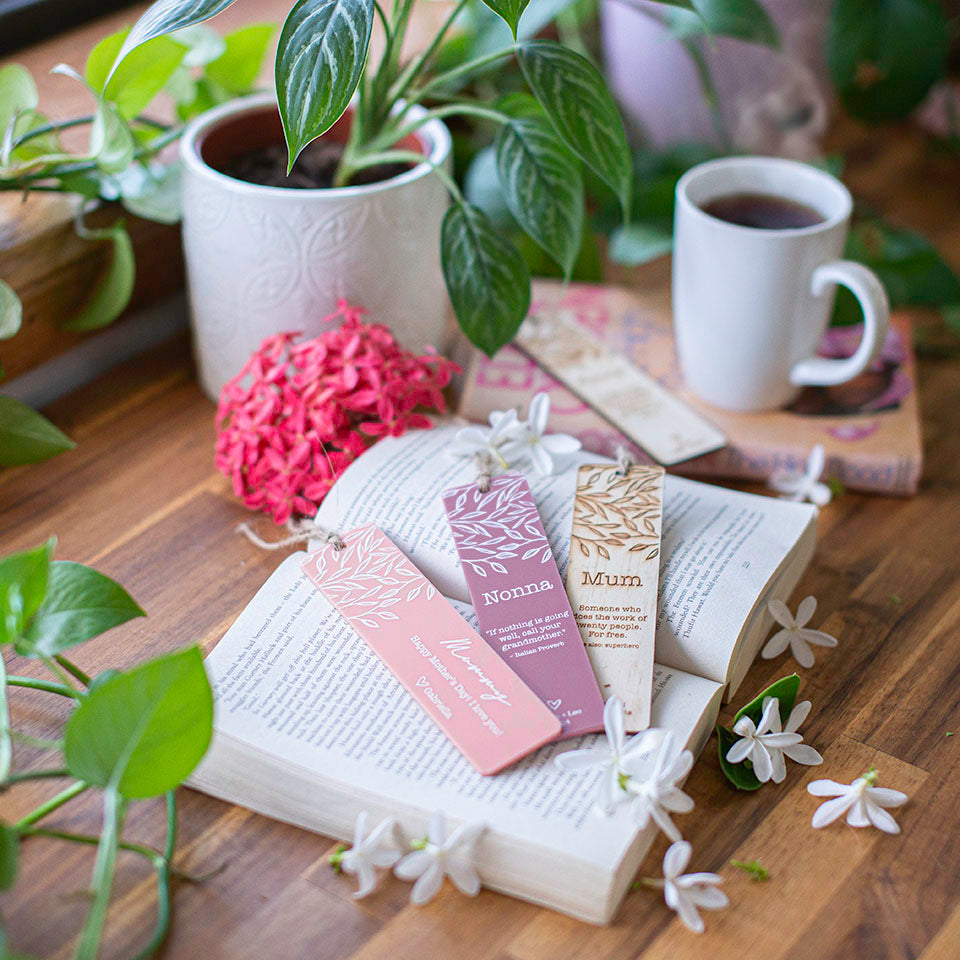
519	598
481	705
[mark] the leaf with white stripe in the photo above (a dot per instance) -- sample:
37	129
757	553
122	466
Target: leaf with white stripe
542	180
164	17
576	100
320	57
486	277
509	11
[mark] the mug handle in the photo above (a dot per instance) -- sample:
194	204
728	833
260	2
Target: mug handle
863	283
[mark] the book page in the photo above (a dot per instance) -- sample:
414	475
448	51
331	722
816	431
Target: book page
720	548
294	680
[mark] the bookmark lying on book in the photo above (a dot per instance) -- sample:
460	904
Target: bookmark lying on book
482	706
519	598
612	579
652	417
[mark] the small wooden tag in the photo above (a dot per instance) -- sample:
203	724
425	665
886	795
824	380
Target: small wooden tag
612	579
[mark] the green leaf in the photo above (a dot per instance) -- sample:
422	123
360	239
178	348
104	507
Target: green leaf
885	55
576	100
542	180
320	57
18	92
80	603
88	944
159	196
639	243
144	730
509	11
203	44
111	142
25	572
11	311
742	19
741	775
112	294
9	855
486	278
166	16
238	67
26	436
141	75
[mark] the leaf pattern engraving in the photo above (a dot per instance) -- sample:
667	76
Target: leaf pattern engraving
368	577
502	524
617	510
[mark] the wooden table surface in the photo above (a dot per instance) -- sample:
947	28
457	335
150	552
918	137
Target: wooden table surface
139	499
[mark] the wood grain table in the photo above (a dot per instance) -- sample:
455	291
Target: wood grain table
139	499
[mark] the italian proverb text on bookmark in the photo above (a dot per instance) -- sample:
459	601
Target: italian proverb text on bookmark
519	598
652	417
481	705
612	578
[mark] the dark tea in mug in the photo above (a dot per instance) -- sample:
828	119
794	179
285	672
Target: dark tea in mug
763	211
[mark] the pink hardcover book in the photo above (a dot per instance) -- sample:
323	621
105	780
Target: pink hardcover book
870	427
481	705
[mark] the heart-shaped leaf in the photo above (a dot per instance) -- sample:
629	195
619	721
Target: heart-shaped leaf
743	19
576	100
885	55
11	311
25	573
18	92
112	294
486	277
80	603
26	436
237	68
509	11
163	17
143	731
320	57
542	180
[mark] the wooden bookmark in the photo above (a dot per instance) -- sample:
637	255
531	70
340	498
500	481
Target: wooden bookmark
612	578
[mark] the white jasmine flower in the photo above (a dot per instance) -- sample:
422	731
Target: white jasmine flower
610	758
795	632
804	486
686	892
659	793
504	429
368	852
861	801
765	745
543	447
442	855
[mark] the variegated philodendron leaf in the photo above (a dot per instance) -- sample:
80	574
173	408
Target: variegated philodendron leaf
576	100
165	16
509	11
486	277
542	180
320	57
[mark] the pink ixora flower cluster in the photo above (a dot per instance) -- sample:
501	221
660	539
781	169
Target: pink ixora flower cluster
298	413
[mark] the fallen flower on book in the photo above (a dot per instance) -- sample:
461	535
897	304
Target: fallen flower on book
542	448
795	632
369	851
612	757
658	795
862	801
806	485
493	440
684	893
765	744
439	855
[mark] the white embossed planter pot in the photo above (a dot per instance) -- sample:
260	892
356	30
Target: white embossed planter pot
261	260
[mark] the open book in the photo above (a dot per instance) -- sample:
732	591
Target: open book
311	727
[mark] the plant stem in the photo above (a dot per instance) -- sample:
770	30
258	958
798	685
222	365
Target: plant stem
709	91
52	804
34	775
162	865
409	156
73	670
394	133
76	122
32	683
60	674
471	66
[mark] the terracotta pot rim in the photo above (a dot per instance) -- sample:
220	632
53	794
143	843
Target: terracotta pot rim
434	137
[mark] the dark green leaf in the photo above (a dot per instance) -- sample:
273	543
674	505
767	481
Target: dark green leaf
743	19
481	187
26	436
541	179
885	55
509	11
165	16
741	775
238	67
9	855
112	294
320	57
639	243
486	278
576	100
25	572
80	603
144	730
11	311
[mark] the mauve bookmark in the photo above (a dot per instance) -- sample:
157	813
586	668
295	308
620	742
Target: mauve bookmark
481	705
519	597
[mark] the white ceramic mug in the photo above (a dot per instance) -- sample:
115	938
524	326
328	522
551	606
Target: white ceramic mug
751	305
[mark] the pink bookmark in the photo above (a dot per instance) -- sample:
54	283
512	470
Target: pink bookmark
481	705
520	599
